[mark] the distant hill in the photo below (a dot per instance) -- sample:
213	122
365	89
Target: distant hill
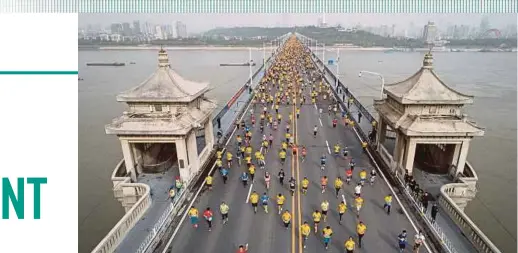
328	36
332	35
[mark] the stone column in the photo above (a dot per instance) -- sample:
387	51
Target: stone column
409	156
397	149
192	152
463	155
137	154
402	147
209	134
383	132
183	162
128	159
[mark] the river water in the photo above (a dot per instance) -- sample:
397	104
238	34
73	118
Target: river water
490	77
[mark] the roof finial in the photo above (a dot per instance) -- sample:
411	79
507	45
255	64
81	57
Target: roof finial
428	60
163	59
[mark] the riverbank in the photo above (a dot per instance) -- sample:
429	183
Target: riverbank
270	48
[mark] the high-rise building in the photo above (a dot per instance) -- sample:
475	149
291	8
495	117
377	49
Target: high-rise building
181	29
174	32
430	32
136	27
116	28
159	33
126	29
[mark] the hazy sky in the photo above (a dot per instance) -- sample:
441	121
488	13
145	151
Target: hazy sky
203	22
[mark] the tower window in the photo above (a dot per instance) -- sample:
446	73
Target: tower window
158	108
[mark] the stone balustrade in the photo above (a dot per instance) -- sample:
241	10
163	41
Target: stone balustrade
468	228
139	191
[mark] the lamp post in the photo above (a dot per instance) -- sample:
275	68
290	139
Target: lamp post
337	64
375	74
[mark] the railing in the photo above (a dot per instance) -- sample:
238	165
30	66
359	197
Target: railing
162	221
110	242
437	230
204	154
470	229
385	155
469	178
161	166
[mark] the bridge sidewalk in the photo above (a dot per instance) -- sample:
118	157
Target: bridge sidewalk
446	224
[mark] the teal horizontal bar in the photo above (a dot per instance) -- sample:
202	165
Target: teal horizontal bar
11	72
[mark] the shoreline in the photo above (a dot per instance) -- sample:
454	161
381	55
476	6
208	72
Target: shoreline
243	48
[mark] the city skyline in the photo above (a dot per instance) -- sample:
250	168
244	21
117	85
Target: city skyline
197	22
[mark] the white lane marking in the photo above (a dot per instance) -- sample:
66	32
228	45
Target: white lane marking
343	198
316	107
201	187
320	121
249	192
328	149
252	184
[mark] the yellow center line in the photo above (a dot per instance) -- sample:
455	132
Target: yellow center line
293	227
296	143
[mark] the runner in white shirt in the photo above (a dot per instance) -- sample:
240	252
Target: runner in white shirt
358	189
418	241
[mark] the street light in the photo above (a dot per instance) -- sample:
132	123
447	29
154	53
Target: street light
375	74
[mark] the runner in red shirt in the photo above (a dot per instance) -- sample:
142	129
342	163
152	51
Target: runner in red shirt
335	122
208	217
349	175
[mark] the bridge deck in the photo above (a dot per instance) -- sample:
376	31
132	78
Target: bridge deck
446	224
265	232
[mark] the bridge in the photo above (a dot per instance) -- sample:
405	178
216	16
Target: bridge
153	224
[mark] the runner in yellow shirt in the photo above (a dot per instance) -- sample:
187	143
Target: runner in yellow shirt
342	207
282	155
219	164
305	185
358	201
360	229
208	182
280	202
286	218
327	232
325	207
219	154
316	219
338	185
251	171
248	160
229	159
254	199
193	215
305	230
284	146
349	245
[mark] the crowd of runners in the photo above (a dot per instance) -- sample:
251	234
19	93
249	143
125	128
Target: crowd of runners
292	81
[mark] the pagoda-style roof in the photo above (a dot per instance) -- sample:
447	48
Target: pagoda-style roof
164	123
415	125
425	87
164	85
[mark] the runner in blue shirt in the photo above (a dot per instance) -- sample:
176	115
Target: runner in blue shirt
264	201
244	179
323	161
402	241
224	175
